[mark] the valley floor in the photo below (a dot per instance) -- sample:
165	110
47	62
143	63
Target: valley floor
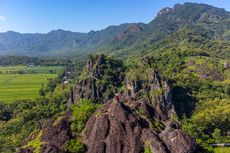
14	85
222	149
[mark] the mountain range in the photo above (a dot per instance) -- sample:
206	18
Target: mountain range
203	19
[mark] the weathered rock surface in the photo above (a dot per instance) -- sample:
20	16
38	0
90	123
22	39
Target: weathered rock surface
54	137
22	150
102	77
141	118
131	127
98	80
177	140
151	86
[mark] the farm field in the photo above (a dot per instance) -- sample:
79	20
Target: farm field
222	150
28	69
23	86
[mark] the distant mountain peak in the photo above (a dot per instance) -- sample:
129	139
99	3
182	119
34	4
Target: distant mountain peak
59	31
127	35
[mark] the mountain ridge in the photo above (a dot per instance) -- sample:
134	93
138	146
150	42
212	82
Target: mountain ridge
115	38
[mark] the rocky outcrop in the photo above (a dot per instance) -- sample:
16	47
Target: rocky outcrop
150	85
103	77
53	138
99	80
205	72
132	127
177	140
138	118
131	30
164	11
226	64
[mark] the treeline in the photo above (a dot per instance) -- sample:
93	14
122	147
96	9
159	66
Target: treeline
27	72
25	60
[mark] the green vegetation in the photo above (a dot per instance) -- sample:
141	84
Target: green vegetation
76	146
37	61
188	47
221	149
107	75
81	112
147	147
210	121
21	86
29	69
159	125
199	81
21	82
36	143
29	115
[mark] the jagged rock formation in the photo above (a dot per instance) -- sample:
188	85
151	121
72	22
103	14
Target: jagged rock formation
102	77
99	80
150	85
131	127
53	138
140	118
177	140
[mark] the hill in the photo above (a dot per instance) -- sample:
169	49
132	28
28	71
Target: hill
122	39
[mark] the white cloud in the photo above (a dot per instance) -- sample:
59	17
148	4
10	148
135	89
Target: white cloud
2	18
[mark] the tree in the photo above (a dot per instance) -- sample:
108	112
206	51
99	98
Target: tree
217	135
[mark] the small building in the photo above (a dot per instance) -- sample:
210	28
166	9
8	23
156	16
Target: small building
31	65
65	82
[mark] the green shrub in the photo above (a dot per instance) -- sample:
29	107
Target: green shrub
36	143
76	146
159	125
147	147
81	113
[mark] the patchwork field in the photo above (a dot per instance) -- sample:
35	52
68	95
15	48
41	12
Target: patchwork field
14	85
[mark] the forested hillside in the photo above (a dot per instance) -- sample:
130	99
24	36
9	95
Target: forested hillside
124	38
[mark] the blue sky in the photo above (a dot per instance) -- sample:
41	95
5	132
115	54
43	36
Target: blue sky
42	16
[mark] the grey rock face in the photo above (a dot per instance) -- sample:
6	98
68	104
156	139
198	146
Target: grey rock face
119	127
99	79
154	89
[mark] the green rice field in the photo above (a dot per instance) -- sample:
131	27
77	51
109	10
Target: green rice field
222	150
23	86
27	69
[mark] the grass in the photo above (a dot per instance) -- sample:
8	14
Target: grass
147	147
27	69
222	150
23	86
